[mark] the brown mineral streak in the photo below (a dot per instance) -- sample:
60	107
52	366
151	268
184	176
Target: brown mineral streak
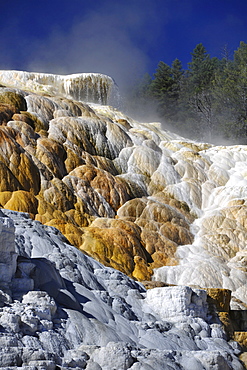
65	163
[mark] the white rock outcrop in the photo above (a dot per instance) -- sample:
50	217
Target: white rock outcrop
90	87
61	309
178	302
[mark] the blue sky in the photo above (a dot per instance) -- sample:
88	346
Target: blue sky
123	38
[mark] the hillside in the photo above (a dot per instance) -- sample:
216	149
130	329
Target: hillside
136	198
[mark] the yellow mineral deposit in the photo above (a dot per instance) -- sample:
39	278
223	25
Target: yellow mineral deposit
130	194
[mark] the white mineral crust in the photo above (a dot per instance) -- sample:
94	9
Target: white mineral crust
80	314
92	87
61	308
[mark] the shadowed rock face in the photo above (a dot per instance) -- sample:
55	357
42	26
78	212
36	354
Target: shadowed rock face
62	309
131	195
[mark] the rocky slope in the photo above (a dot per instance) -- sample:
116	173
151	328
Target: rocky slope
61	309
129	194
133	196
96	175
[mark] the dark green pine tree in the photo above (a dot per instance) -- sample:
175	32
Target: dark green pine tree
160	88
231	95
200	68
162	81
240	67
200	85
166	87
177	74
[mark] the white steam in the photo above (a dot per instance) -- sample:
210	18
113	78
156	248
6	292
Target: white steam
108	40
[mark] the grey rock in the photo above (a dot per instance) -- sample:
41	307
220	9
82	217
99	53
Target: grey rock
72	312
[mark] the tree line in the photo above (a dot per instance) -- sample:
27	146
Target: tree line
206	101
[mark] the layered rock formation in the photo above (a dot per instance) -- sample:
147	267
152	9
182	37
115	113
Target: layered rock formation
60	309
93	87
89	171
132	195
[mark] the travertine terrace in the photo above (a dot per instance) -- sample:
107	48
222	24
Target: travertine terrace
135	197
130	194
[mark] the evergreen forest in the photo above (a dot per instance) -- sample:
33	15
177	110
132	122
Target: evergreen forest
206	102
